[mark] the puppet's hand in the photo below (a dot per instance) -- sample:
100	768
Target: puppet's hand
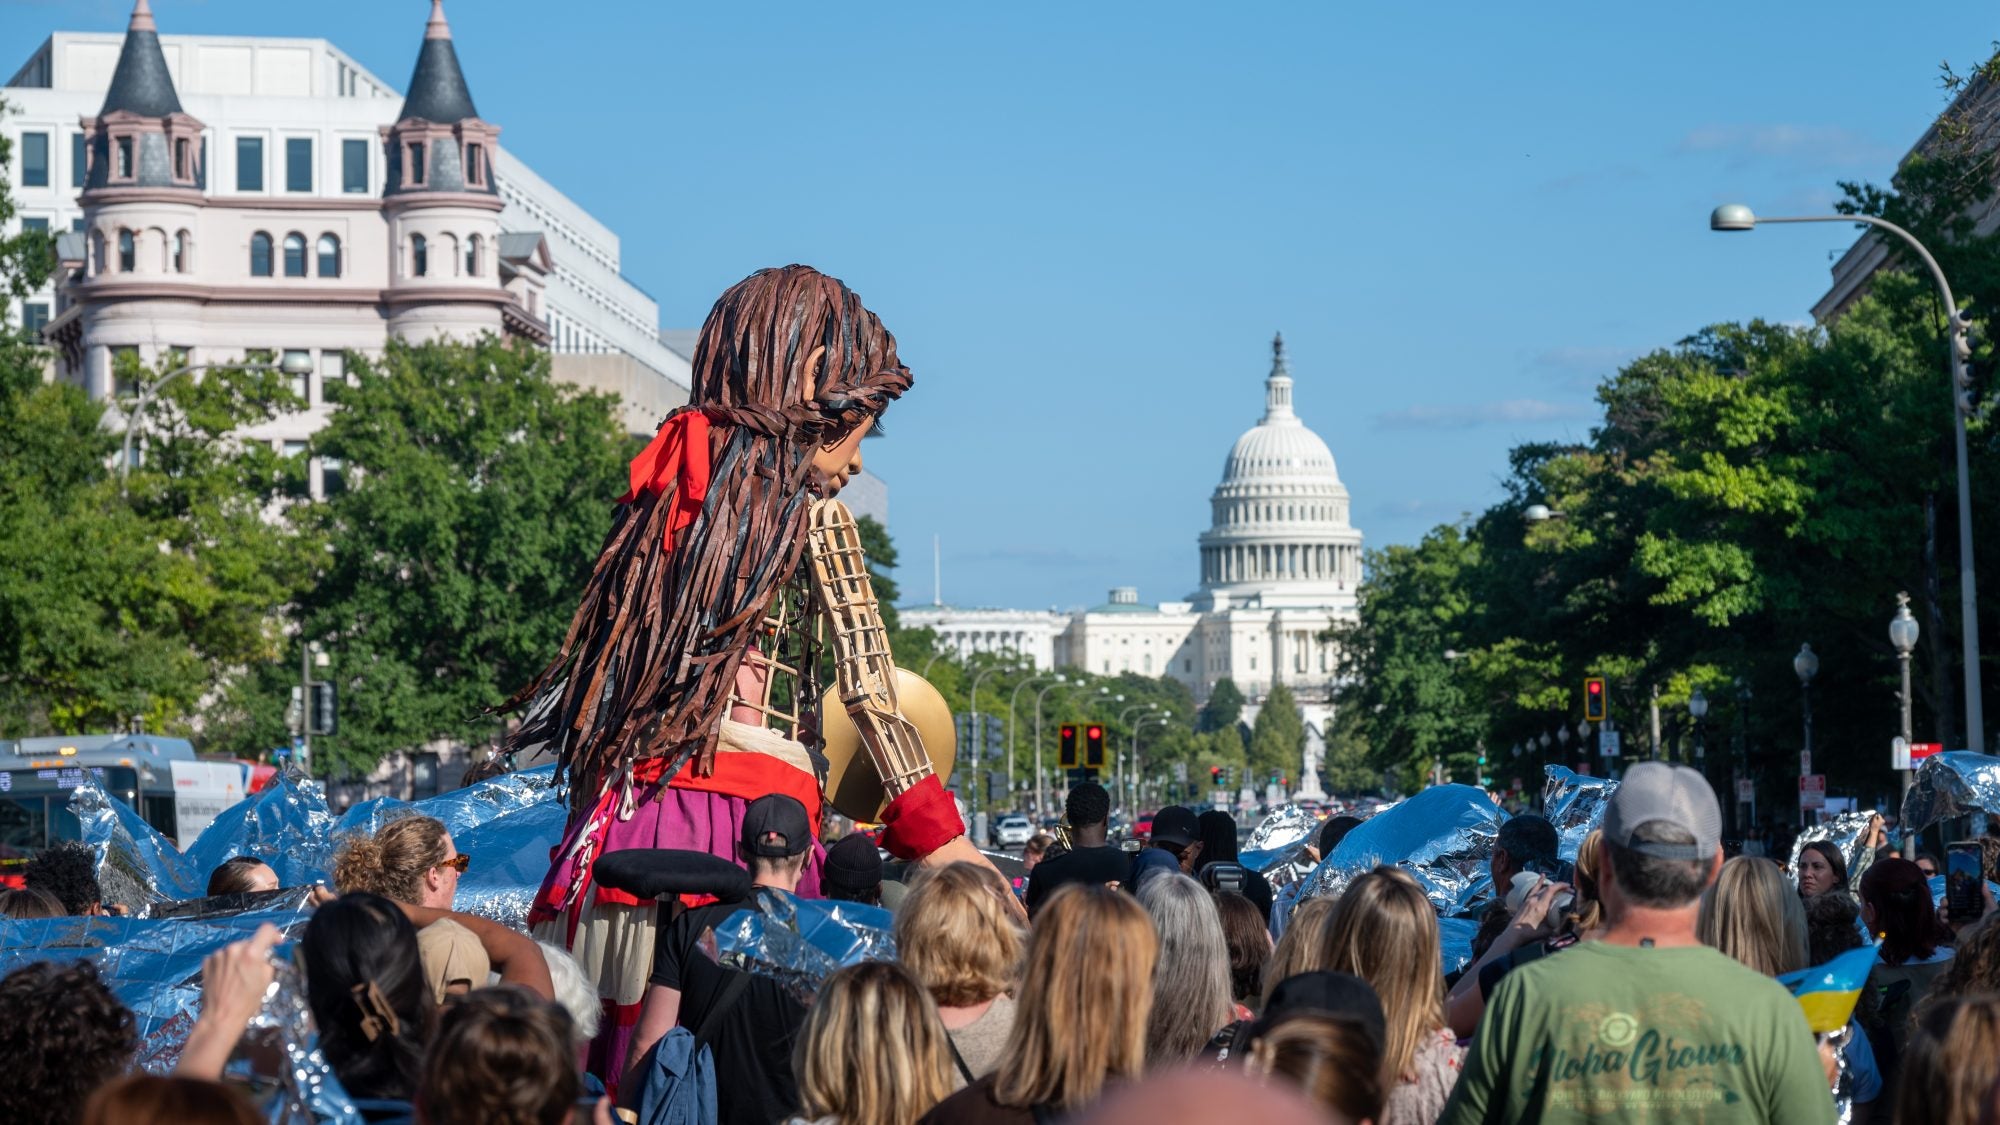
960	849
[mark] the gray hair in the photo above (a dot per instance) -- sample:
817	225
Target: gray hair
574	992
1647	880
1191	997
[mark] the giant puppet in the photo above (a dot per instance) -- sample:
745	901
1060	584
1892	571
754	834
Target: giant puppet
687	683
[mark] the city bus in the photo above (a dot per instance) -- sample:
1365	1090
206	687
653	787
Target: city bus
160	778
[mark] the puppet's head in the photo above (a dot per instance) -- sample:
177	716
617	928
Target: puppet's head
790	368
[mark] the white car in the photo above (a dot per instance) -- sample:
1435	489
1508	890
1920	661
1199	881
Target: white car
1013	831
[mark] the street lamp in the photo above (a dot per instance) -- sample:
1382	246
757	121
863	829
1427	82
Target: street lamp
1011	701
1132	766
1698	711
1541	513
1737	217
977	737
1040	781
1903	634
294	363
1807	666
1119	780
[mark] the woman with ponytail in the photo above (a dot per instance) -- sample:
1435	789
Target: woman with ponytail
1896	905
661	707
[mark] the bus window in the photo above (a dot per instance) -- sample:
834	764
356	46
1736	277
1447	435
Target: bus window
159	812
24	830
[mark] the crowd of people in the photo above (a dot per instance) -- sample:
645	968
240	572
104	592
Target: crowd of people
1634	982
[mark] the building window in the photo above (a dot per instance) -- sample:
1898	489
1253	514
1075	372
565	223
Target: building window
124	165
128	252
420	256
329	256
332	375
298	164
472	256
181	171
354	167
294	449
332	477
79	159
34	314
32	223
34	160
301	382
181	248
250	166
260	255
413	169
295	255
475	165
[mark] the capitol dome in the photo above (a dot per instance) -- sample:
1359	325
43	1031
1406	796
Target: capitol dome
1279	531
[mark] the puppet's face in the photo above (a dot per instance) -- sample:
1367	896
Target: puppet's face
840	461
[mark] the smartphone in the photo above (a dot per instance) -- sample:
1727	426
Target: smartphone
1962	875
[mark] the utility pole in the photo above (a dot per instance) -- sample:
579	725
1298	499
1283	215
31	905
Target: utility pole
1656	722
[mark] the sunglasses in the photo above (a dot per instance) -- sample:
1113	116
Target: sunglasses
458	863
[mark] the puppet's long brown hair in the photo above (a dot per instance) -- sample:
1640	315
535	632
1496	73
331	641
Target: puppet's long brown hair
650	657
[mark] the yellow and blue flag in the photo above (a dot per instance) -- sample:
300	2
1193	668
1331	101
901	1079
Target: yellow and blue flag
1829	992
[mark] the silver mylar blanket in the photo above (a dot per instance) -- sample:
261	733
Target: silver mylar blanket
1952	784
1443	837
1849	833
154	968
1277	846
1575	805
800	941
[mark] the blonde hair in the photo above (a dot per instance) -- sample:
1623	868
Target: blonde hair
1191	999
1588	916
1080	1016
1753	914
873	1049
1386	933
1951	1063
1303	946
393	862
957	936
1331	1060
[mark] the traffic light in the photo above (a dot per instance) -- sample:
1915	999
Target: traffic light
1093	747
1066	746
324	718
1593	699
1215	776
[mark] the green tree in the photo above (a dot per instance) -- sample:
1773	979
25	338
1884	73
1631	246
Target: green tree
1277	738
1348	769
479	493
1224	708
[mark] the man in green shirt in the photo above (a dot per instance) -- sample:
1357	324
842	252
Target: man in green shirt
1645	1023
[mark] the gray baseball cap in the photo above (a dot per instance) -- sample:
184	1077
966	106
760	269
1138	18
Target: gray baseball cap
1676	795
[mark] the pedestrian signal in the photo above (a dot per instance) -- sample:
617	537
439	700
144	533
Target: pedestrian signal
1593	699
1066	746
1093	747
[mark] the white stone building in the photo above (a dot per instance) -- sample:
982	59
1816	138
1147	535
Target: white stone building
218	195
965	632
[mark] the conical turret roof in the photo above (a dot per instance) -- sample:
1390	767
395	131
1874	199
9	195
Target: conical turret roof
141	84
437	88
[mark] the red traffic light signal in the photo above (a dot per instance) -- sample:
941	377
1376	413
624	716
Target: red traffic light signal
1593	699
1066	746
1215	775
1093	747
1097	732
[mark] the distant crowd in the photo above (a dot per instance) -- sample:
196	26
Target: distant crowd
1632	983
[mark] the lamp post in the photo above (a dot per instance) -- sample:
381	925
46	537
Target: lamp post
1698	711
1542	513
1040	782
1119	779
1806	665
1903	634
1132	766
978	738
1737	217
294	363
1011	701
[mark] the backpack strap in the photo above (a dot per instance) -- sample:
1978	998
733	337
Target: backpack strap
959	1060
739	982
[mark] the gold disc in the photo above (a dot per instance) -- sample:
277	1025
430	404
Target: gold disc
852	785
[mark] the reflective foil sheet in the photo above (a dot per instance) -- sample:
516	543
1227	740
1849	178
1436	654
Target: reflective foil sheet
136	866
1575	805
287	826
1849	833
800	941
510	856
1952	784
461	810
1276	848
1443	837
1455	942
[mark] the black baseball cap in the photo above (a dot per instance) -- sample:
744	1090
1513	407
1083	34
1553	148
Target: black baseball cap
774	826
1177	825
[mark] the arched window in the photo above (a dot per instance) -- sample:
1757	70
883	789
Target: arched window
448	244
295	255
182	252
329	256
420	256
260	255
472	249
128	252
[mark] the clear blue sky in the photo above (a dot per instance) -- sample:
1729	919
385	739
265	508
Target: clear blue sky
1084	221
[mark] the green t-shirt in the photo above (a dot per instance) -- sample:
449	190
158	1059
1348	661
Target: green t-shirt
1617	1033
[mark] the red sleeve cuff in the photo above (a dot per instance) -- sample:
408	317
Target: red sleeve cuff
920	821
